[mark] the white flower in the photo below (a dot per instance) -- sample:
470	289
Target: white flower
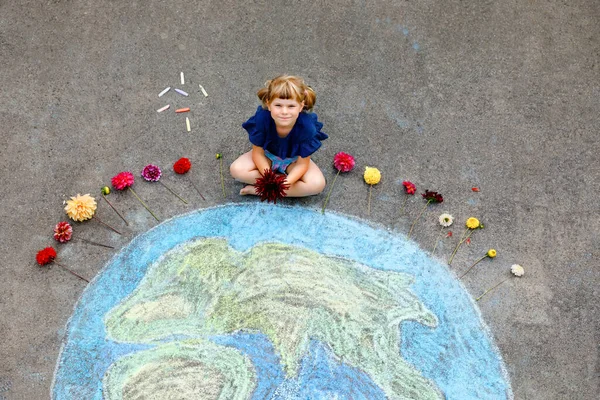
517	270
446	220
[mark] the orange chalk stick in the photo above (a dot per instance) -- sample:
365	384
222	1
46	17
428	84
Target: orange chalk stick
182	110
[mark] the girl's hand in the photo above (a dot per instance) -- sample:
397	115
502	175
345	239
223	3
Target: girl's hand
297	170
260	160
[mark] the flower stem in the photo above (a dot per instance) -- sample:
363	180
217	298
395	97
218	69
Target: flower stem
196	187
95	243
437	240
416	219
462	239
490	289
403	204
171	190
107	225
474	264
113	207
329	194
222	179
369	203
69	270
144	204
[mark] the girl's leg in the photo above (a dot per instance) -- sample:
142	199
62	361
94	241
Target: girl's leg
244	170
311	183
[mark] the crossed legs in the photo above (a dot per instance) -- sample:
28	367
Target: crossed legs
244	170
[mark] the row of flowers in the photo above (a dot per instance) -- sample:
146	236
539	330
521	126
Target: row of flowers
81	208
271	187
344	162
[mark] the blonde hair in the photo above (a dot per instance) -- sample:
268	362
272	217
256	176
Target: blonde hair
287	87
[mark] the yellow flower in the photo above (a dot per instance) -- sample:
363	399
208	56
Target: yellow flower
81	208
472	223
372	176
105	190
491	253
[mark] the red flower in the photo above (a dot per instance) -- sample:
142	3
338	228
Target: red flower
433	197
122	180
63	232
409	187
343	162
45	256
271	186
182	165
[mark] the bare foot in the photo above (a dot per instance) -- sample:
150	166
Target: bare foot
249	189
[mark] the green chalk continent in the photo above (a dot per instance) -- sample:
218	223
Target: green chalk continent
288	293
186	369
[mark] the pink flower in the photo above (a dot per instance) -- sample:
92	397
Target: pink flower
122	180
343	162
409	187
63	232
151	173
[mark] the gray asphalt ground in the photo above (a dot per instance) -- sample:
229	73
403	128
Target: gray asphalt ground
448	94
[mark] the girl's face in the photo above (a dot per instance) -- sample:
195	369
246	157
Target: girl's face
285	112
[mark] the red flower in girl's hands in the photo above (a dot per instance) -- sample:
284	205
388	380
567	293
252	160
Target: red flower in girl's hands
45	256
122	180
343	162
409	187
271	186
182	165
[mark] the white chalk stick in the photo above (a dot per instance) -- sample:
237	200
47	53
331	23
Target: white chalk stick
203	91
181	92
163	108
182	79
187	124
164	91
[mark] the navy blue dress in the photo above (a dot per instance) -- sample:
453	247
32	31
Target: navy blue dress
303	140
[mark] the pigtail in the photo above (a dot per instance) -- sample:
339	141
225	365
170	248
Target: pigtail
263	94
310	97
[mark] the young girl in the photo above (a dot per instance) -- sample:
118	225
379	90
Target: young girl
284	134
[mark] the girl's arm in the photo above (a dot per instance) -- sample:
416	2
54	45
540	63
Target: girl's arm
299	170
260	160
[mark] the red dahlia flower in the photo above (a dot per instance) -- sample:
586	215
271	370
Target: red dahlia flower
182	165
45	256
409	187
122	180
343	162
63	232
271	186
432	197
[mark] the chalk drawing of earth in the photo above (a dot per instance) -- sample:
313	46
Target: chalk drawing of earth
268	302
